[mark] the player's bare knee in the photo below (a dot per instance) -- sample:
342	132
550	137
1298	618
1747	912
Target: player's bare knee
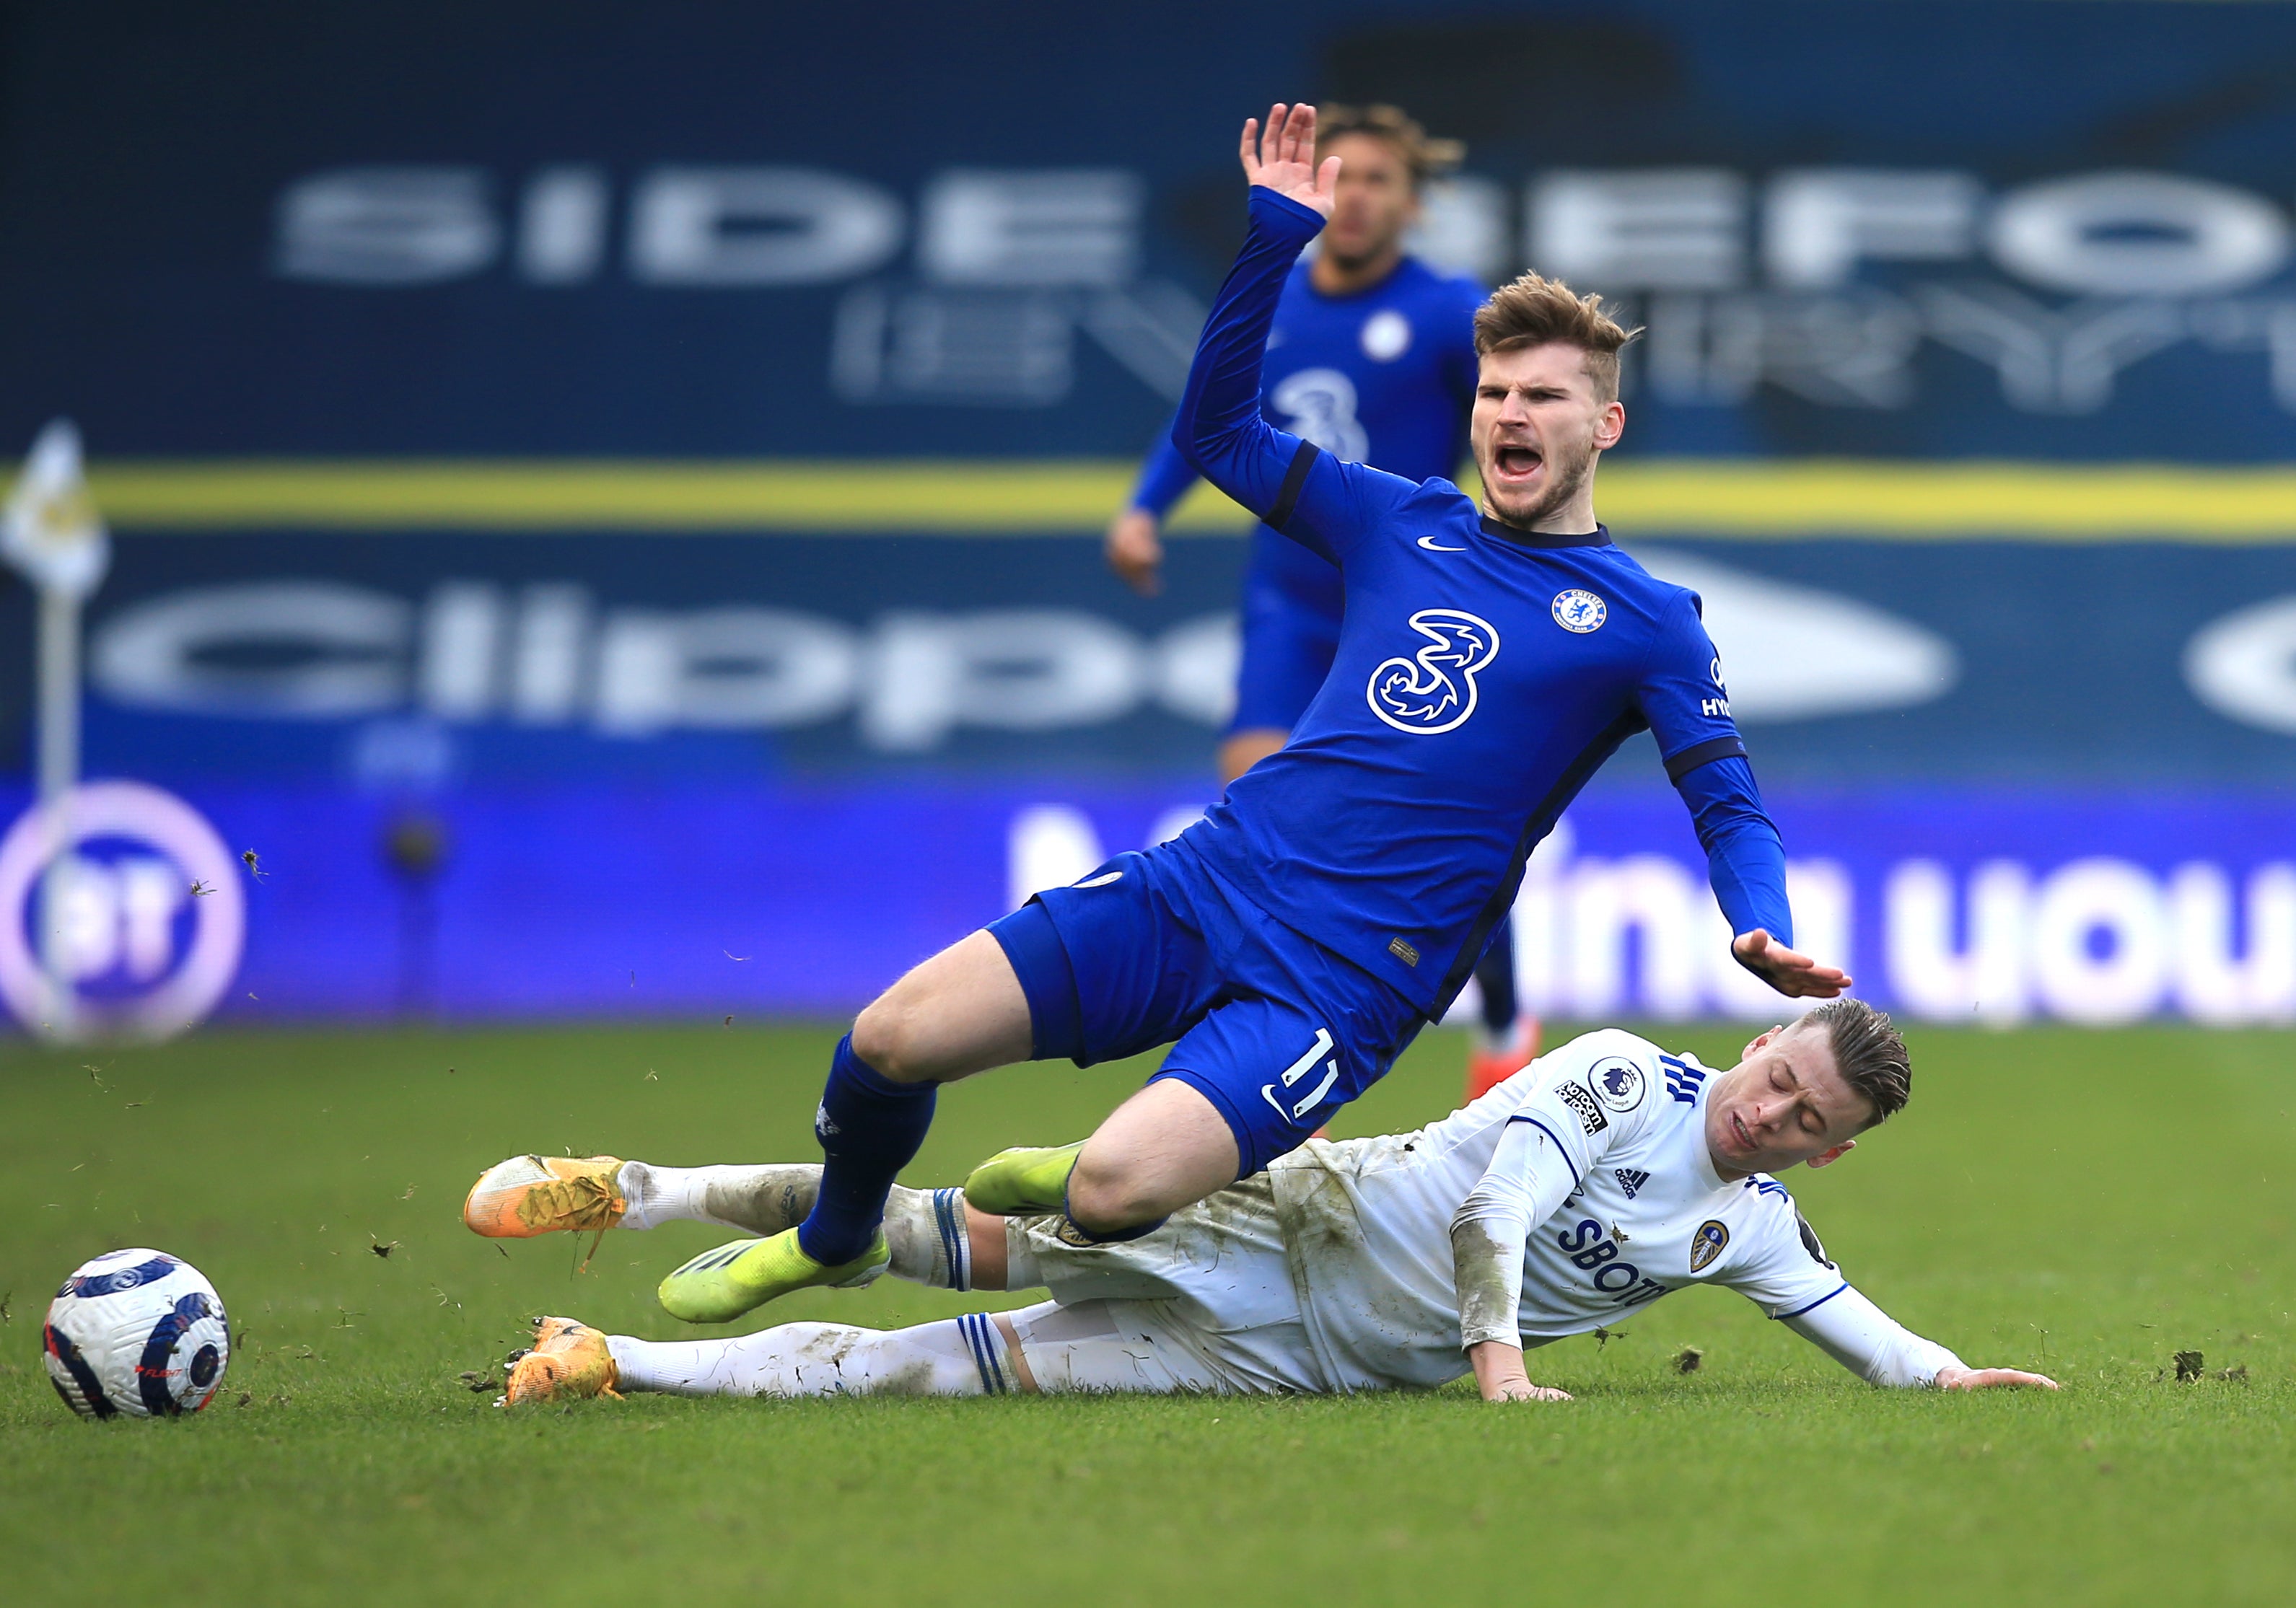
889	1035
1105	1196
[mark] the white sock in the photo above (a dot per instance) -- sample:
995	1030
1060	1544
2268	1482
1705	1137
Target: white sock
752	1200
957	1357
924	1228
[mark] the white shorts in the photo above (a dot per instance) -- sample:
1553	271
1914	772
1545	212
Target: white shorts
1205	1304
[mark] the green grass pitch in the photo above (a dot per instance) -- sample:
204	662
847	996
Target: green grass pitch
2086	1203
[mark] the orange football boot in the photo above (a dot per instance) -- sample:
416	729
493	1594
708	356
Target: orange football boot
1491	1065
527	1195
568	1359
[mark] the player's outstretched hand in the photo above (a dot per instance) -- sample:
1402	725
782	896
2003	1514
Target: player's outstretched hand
1282	157
1796	976
1987	1379
1522	1390
1135	550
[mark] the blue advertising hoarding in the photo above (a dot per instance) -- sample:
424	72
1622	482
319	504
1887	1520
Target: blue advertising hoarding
2015	228
589	439
1950	905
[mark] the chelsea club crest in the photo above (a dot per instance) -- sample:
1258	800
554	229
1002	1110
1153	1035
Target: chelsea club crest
1579	612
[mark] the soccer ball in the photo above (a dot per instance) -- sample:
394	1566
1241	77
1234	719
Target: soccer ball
138	1333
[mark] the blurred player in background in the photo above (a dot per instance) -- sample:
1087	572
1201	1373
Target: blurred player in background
1372	358
1606	1176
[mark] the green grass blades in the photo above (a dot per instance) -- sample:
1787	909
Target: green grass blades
2085	1203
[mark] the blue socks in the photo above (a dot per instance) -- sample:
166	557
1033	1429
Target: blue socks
1496	972
870	1128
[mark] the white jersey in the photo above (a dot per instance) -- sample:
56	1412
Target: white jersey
1608	1178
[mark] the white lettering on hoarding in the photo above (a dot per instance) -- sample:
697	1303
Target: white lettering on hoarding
547	653
1034	226
2243	665
2099	941
1982	976
736	226
387	226
1011	263
1671	229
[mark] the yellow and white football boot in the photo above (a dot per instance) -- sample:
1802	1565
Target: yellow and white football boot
1026	1181
569	1360
719	1285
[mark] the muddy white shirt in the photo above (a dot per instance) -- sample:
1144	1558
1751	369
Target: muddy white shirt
1593	1161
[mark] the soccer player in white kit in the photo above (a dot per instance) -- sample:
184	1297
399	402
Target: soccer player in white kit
1607	1175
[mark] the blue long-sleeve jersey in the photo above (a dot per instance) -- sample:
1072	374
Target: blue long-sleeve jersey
1483	674
1385	375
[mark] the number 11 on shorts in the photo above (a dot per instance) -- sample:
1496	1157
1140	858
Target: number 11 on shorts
1300	1069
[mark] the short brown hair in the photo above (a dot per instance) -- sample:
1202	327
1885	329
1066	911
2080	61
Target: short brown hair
1534	310
1869	1054
1393	128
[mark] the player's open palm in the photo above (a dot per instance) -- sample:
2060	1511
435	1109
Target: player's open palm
1282	157
1988	1379
1795	975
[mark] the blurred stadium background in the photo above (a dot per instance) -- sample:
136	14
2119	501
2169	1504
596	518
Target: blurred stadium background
597	492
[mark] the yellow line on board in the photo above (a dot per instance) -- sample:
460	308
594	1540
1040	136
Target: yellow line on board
1740	498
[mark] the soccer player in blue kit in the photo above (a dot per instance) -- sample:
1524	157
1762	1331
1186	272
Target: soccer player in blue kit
1373	358
1289	944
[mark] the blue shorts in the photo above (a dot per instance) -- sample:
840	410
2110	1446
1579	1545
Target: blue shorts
1291	635
1276	1030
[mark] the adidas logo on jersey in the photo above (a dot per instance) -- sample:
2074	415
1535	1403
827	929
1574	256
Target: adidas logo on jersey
1629	1179
1682	1078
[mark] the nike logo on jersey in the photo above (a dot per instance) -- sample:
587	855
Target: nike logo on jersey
1432	546
1434	691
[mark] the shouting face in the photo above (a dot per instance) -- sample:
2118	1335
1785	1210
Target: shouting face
1537	429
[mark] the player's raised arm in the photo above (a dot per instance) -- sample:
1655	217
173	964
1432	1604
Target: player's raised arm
1219	428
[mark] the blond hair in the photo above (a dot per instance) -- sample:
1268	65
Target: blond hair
1397	131
1533	311
1868	1052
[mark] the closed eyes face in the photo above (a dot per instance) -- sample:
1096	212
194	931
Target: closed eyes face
1785	1106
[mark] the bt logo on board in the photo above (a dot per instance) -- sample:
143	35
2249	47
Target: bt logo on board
121	916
